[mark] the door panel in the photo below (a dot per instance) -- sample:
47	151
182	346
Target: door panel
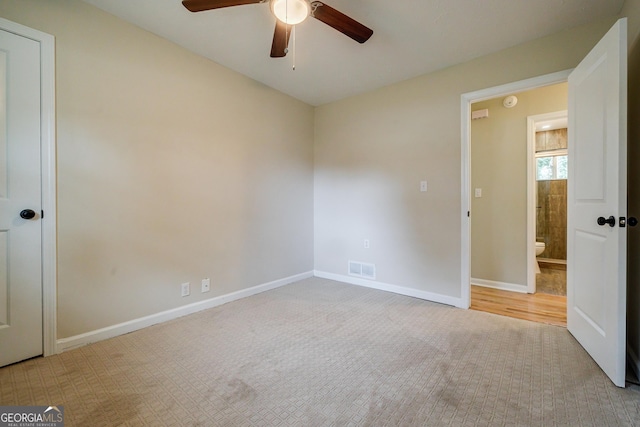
587	302
590	153
4	278
596	256
20	188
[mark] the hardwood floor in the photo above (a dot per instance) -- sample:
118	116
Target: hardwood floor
543	308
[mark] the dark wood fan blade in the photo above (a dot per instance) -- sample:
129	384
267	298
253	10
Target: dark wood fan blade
341	22
200	5
280	40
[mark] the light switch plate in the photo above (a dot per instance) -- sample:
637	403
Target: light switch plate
185	289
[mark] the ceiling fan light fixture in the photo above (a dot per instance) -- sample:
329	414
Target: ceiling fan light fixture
291	12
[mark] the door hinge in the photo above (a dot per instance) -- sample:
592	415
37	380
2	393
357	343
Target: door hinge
41	214
468	214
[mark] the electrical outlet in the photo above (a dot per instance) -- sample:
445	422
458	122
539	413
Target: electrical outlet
366	244
206	285
185	289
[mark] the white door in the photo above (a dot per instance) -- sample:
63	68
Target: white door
596	256
20	238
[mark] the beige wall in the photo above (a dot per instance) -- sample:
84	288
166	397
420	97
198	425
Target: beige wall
171	169
499	168
372	150
632	10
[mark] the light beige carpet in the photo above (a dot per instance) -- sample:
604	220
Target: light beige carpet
319	353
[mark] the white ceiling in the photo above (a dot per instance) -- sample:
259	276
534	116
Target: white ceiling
552	124
411	37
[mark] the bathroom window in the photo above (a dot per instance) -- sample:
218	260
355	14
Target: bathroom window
551	165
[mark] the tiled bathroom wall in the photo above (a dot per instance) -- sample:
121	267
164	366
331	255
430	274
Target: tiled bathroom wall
551	212
551	140
551	225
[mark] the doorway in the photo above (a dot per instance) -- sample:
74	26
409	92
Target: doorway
502	263
547	147
519	198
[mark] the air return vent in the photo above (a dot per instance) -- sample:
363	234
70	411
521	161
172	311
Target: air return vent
362	269
480	114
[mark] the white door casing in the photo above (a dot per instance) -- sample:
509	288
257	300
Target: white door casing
27	247
532	195
596	254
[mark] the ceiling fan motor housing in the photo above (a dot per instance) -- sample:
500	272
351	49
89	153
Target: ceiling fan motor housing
290	12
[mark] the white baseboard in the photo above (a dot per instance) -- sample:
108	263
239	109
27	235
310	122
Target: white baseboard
499	285
143	322
415	293
634	361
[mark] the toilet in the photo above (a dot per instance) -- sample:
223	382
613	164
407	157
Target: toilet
539	249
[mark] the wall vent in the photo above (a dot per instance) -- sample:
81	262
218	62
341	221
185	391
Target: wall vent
480	114
362	269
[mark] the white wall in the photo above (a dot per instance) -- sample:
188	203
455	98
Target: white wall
171	169
372	150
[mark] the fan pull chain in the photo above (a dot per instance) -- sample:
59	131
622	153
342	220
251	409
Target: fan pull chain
293	56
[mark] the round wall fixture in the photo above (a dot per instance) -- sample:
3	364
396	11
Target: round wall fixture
510	101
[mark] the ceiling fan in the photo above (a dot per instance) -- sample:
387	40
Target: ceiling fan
290	13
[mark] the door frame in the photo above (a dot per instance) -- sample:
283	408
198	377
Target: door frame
532	192
48	178
466	100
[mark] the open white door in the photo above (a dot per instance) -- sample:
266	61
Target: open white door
21	330
596	255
